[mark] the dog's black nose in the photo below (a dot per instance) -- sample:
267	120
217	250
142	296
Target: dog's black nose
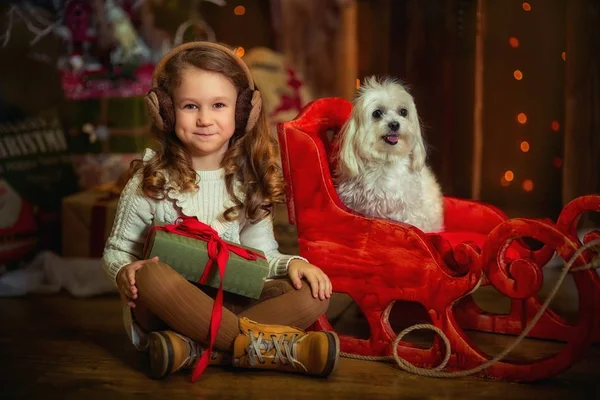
394	126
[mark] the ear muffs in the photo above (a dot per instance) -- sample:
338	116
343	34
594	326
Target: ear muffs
160	104
256	104
160	108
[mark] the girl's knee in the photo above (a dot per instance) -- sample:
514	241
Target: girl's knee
276	288
154	276
321	307
316	305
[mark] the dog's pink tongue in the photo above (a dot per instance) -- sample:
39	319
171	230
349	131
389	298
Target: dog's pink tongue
392	138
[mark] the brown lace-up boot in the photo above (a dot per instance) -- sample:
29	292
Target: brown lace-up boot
285	348
171	352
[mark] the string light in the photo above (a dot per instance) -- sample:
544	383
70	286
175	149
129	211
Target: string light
528	185
357	83
507	178
564	56
240	51
518	75
239	10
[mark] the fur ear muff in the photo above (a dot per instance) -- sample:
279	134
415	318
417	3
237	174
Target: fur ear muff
256	104
247	110
153	108
349	164
160	108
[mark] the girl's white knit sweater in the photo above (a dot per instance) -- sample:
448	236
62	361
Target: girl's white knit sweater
136	213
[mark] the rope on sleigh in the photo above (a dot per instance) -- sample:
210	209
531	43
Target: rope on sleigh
437	372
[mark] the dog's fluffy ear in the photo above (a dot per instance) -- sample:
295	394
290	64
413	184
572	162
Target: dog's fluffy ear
418	154
348	162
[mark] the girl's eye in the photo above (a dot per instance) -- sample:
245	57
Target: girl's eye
219	105
190	106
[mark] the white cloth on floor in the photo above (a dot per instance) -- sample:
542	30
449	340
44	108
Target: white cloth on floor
49	273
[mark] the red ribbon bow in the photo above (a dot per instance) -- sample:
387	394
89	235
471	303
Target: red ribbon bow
218	254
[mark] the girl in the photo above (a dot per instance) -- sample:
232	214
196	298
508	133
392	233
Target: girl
215	161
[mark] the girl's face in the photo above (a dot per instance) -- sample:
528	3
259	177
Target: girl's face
204	106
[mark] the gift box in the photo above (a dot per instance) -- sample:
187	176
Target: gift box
188	253
87	219
106	125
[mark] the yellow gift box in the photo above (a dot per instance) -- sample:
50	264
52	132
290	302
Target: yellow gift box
87	220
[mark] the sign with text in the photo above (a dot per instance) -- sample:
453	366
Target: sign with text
35	160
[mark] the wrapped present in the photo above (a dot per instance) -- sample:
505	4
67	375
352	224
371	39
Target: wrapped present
106	125
192	248
87	219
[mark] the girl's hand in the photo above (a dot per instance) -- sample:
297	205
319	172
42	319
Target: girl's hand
319	282
126	280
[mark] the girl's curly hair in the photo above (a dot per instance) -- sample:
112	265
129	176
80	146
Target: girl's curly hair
250	160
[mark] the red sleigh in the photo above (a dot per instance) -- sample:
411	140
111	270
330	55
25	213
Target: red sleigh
378	262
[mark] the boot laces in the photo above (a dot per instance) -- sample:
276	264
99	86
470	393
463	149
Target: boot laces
194	351
285	350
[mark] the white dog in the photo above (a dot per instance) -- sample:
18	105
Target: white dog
381	169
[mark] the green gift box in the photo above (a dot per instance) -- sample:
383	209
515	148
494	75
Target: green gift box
189	257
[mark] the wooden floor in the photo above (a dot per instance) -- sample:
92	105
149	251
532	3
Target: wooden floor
59	347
